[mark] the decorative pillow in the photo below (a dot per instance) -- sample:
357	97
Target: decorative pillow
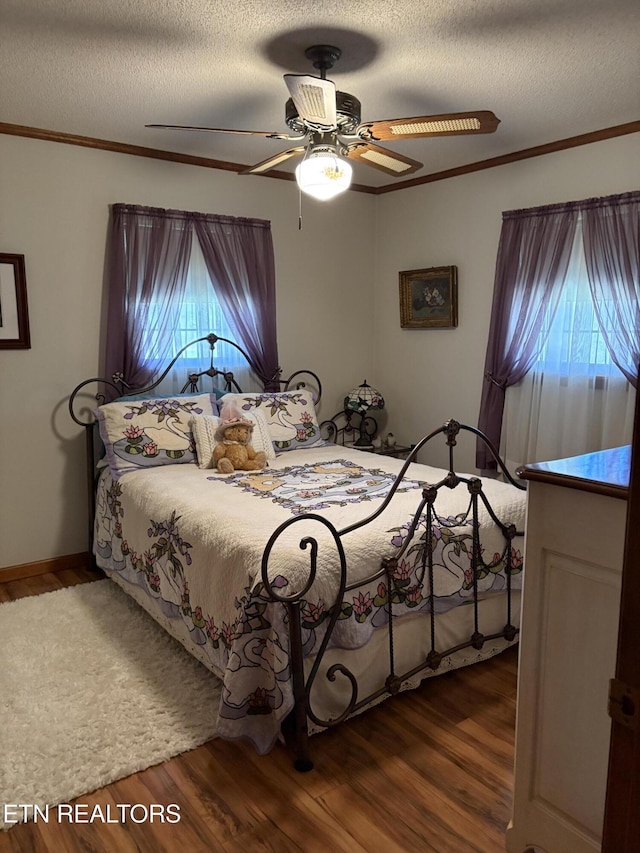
204	429
290	415
147	433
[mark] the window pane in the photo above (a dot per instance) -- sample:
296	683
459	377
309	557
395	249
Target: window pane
199	314
575	344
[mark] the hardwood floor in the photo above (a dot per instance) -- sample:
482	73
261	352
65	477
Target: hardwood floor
428	771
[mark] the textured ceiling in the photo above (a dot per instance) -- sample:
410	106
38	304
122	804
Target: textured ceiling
549	69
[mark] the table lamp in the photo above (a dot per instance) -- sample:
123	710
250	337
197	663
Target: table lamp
361	400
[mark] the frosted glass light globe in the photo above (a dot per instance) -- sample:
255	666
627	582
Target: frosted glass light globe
323	175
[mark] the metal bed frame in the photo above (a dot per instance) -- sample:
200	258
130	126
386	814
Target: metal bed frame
342	425
117	386
303	710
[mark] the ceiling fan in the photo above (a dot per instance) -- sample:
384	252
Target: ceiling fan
328	124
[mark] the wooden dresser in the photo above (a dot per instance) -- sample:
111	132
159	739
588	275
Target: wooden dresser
574	547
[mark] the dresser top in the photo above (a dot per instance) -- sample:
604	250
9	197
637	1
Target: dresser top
605	472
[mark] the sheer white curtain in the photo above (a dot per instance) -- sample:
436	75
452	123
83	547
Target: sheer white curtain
199	314
574	400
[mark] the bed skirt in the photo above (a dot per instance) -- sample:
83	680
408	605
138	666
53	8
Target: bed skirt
369	664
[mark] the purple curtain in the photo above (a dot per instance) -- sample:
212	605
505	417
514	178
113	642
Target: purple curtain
149	253
533	257
239	257
611	234
149	258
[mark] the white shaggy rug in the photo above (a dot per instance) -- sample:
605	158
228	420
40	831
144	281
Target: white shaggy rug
92	690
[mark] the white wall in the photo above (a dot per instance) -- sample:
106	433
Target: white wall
337	280
430	375
54	208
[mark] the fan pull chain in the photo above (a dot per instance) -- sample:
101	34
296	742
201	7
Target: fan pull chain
299	209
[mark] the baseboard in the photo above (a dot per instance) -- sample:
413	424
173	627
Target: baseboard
45	567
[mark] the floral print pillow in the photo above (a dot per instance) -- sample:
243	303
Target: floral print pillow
290	415
147	433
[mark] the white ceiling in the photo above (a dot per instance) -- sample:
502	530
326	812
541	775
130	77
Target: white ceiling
549	69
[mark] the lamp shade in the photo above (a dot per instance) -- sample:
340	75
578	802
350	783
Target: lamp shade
363	398
323	175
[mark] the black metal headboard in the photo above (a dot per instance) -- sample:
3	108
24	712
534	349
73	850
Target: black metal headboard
84	414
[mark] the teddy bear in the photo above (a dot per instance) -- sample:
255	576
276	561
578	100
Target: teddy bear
233	451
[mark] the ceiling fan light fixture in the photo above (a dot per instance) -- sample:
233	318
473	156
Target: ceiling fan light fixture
323	175
329	122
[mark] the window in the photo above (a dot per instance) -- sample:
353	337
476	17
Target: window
199	314
575	399
166	268
564	339
574	342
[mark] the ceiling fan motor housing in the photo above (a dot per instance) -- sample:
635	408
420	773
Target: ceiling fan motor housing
348	111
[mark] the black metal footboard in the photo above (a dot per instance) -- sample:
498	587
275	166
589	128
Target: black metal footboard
420	540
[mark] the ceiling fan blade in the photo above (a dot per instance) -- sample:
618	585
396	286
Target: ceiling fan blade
448	124
381	158
314	99
265	133
270	162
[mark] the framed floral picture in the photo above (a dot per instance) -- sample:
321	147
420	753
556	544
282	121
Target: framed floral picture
14	316
429	298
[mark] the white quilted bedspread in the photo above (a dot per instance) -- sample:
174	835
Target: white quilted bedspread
193	541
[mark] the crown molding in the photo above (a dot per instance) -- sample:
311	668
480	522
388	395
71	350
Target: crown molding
209	163
515	156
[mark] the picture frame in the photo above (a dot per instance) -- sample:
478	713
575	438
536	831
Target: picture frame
429	298
14	313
